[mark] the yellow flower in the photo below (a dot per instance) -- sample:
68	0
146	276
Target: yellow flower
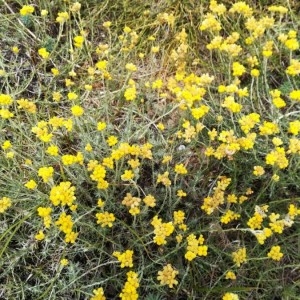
5	203
258	170
295	95
127	29
101	126
6	145
292	44
239	256
275	253
69	82
154	49
130	93
5	99
127	175
167	276
106	24
238	69
56	96
43	53
98	294
26	105
64	262
44	12
55	71
242	8
230	296
46	173
280	9
88	147
62	17
71	237
72	96
254	72
75	7
181	193
88	87
131	67
150	201
62	194
268	128
164	179
231	105
15	49
124	258
100	203
230	275
112	140
229	216
78	41
77	110
40	235
210	23
180	169
129	291
105	219
26	10
31	184
52	150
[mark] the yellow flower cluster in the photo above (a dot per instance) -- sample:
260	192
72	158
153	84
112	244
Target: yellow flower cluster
179	217
180	169
295	95
105	219
230	275
247	122
43	53
231	105
168	276
98	175
65	224
5	203
45	213
62	17
46	173
164	179
161	230
278	158
229	216
239	256
31	184
211	203
78	41
124	258
294	68
26	10
130	92
98	294
276	99
69	159
255	222
5	99
27	105
275	253
129	291
195	247
133	203
230	296
62	194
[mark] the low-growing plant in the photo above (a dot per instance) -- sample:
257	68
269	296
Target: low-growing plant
149	150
